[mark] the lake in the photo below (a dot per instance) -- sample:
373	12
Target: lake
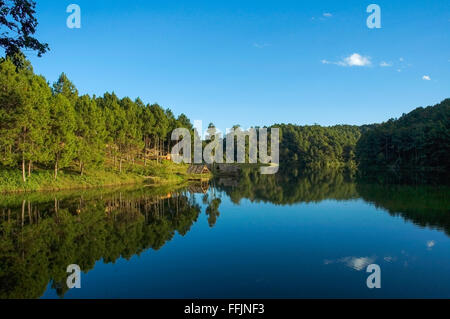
286	236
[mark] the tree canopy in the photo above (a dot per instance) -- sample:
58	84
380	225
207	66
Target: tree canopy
55	127
18	25
419	139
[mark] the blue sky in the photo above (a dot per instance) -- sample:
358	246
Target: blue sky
255	62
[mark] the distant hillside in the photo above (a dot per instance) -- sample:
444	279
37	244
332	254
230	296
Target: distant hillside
318	146
418	140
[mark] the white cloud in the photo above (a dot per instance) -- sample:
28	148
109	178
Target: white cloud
353	60
385	64
327	15
357	60
430	244
426	78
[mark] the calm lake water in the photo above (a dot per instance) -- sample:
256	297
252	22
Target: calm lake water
287	236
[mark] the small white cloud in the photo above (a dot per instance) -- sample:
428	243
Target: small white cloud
353	60
385	64
356	60
426	78
327	15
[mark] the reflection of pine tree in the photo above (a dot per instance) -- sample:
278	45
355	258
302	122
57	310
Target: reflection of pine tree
37	244
213	211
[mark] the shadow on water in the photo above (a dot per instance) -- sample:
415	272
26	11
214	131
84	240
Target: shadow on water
42	233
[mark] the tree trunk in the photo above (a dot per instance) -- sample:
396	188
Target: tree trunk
23	170
30	163
157	151
56	169
120	165
147	146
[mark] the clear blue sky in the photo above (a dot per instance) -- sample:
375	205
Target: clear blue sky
255	62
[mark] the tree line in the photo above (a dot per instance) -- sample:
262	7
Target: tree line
53	126
419	139
317	146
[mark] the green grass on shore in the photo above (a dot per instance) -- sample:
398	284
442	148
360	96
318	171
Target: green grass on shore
43	180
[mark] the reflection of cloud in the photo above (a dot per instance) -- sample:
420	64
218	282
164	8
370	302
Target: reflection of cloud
389	259
356	263
430	244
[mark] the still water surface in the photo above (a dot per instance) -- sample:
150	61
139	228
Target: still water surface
256	237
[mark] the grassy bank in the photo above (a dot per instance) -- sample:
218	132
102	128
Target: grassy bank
166	173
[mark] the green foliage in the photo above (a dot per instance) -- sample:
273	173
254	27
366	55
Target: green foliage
24	110
61	140
18	24
55	128
317	146
418	140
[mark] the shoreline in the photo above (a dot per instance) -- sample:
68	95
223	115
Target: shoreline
42	180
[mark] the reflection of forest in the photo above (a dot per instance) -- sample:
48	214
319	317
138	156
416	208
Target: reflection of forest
290	187
424	205
41	234
420	198
39	239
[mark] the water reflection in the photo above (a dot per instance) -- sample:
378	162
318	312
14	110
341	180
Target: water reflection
421	199
39	238
40	234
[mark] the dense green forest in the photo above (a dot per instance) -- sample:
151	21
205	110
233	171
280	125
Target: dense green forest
53	127
318	146
45	128
419	139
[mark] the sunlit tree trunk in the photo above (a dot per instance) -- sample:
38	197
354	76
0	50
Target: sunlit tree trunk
56	168
30	163
23	170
